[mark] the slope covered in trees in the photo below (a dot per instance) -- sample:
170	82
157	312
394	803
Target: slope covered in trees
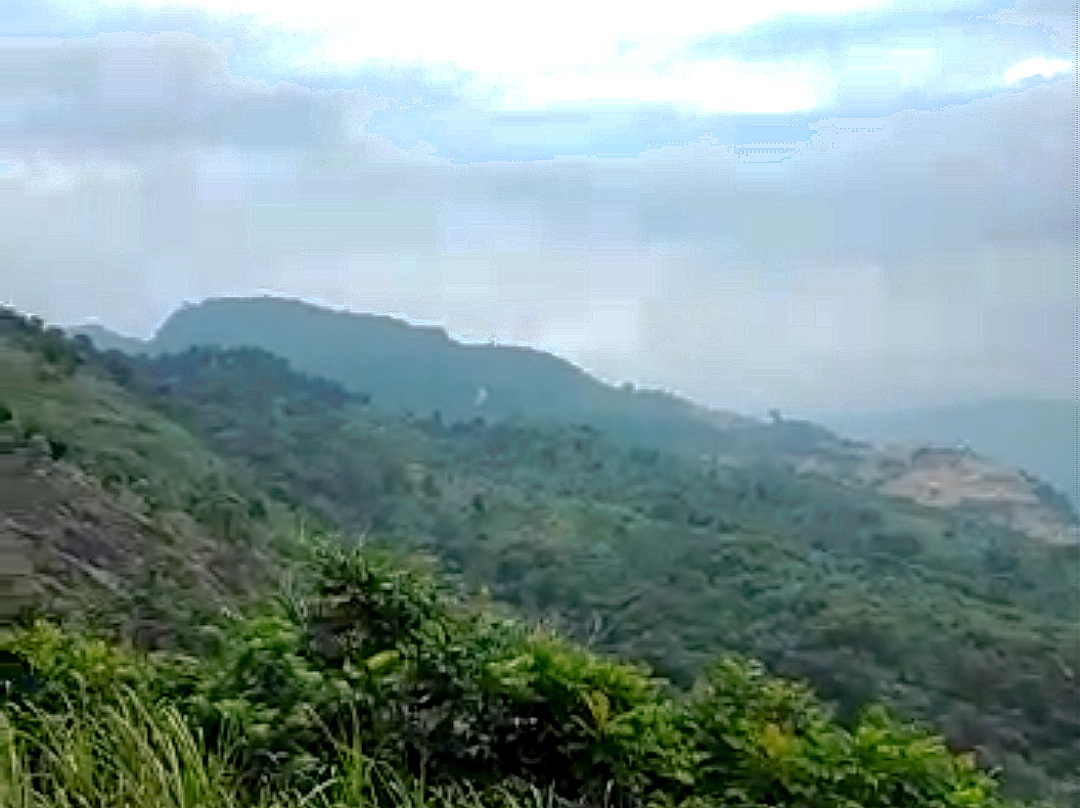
409	369
656	558
653	557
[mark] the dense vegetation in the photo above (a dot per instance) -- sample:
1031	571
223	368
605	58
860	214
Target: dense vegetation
654	558
405	368
362	675
1038	436
370	687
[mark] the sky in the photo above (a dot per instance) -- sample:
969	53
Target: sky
815	205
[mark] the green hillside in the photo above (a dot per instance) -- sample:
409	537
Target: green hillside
403	368
406	368
652	557
99	493
261	661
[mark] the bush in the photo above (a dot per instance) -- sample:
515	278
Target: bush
363	652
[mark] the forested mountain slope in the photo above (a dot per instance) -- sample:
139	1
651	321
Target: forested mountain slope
654	557
420	370
179	643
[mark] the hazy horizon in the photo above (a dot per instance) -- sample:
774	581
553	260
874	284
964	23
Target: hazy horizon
757	410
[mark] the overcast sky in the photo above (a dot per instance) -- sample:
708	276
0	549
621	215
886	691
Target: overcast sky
810	204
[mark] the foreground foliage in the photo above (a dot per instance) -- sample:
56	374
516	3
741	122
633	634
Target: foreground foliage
372	684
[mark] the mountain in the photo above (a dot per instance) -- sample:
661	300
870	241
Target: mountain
827	563
1040	436
194	625
106	340
420	370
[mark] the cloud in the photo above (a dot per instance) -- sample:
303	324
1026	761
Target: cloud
851	56
637	86
479	36
900	56
1050	15
122	92
926	253
1036	66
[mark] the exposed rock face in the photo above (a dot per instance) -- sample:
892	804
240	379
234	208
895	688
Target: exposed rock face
950	478
56	526
20	495
957	479
17	584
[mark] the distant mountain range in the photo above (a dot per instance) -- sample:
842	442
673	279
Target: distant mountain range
422	370
407	368
106	340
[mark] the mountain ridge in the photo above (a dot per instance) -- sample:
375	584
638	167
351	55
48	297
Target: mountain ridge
421	369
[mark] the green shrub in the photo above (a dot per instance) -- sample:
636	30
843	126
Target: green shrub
367	684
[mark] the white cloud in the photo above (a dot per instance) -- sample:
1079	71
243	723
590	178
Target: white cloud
772	56
708	87
429	30
559	51
1037	66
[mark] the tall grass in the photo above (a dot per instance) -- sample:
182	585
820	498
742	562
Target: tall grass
128	753
135	754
